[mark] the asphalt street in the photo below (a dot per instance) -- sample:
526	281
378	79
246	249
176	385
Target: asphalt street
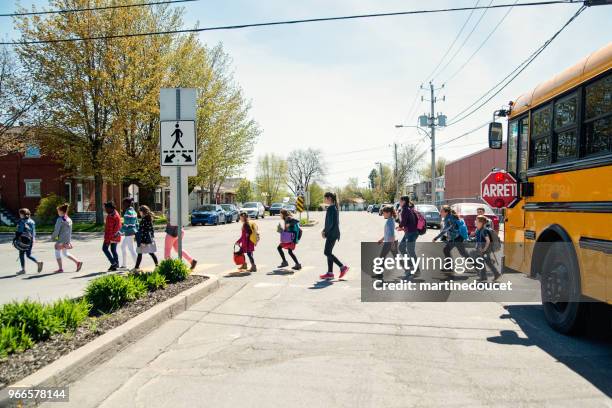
277	338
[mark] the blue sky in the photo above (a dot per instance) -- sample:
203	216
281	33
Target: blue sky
342	86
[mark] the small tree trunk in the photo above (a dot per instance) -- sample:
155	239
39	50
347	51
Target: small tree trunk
98	182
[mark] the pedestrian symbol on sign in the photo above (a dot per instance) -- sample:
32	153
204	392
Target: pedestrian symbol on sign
178	143
178	133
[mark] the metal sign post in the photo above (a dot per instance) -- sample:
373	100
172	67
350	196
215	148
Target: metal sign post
178	149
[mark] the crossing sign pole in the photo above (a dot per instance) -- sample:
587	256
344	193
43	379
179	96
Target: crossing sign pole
178	149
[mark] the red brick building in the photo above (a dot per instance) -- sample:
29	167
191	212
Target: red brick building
463	176
27	177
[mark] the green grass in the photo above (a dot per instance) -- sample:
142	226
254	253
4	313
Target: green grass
76	227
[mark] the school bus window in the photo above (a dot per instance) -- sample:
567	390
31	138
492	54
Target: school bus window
512	146
540	136
598	117
523	147
565	128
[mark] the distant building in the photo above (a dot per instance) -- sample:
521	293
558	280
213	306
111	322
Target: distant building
421	192
27	177
226	194
463	176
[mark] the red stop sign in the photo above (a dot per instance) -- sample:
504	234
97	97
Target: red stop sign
499	189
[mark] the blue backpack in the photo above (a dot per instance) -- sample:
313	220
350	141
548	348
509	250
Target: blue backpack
462	228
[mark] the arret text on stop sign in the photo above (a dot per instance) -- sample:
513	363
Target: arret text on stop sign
499	190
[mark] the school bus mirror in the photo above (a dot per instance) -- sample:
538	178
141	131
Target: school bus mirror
496	134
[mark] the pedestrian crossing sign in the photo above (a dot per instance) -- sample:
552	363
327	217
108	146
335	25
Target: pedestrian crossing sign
177	142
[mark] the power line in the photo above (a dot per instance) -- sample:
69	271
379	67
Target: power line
465	40
454	74
520	69
430	76
285	22
77	10
462	135
357	151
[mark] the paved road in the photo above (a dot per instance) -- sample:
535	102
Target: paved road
276	339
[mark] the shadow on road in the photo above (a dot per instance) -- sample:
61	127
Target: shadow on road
237	274
89	275
590	358
41	275
281	272
321	284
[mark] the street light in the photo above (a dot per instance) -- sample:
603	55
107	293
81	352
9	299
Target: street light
416	127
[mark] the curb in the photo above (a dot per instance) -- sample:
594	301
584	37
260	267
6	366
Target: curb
79	362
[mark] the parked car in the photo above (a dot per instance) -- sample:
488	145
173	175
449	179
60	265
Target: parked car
275	208
231	212
208	214
290	207
431	214
375	208
467	211
383	206
254	209
369	209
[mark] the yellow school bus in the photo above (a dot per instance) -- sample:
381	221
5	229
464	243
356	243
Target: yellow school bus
560	151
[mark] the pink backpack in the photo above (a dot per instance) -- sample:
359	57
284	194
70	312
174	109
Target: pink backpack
421	223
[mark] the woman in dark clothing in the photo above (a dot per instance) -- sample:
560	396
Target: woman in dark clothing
145	236
408	224
331	233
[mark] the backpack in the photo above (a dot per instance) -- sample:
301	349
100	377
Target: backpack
462	228
421	223
495	241
298	232
254	236
24	240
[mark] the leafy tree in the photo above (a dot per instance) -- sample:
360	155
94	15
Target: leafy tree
372	178
17	98
408	159
94	92
304	167
271	175
226	133
425	171
244	192
316	195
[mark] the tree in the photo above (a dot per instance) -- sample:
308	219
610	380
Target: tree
425	171
226	132
316	195
271	176
244	192
304	167
372	178
408	159
82	118
17	98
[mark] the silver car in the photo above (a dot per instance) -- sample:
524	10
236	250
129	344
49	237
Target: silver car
254	209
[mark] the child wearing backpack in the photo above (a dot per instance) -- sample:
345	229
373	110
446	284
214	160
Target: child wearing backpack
451	233
248	239
485	246
24	239
290	235
388	241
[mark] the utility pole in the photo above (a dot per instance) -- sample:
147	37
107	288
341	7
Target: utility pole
432	126
432	122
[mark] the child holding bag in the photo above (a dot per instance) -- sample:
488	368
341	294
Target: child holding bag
145	237
289	235
62	235
248	239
